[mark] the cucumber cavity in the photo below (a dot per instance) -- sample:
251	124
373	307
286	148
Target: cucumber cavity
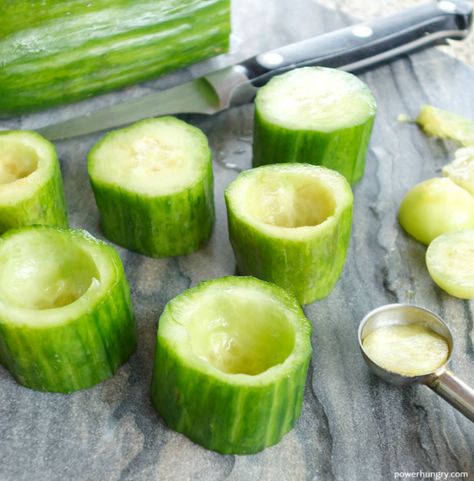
17	161
240	333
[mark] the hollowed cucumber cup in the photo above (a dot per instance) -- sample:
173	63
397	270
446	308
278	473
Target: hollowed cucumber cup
31	188
153	185
314	115
290	224
66	320
230	364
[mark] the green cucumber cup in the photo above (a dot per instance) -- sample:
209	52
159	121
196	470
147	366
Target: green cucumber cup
153	185
230	364
66	320
290	224
314	115
31	187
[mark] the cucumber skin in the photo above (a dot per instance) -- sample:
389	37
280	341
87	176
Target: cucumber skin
46	206
106	56
165	226
220	416
78	354
224	417
343	150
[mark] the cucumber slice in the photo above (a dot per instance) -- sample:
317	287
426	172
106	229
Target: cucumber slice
153	186
66	322
314	115
450	260
461	169
434	207
290	224
230	364
446	125
31	187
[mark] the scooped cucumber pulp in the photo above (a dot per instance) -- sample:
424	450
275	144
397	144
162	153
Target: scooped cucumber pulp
230	364
31	188
446	125
290	224
66	321
153	185
449	259
314	115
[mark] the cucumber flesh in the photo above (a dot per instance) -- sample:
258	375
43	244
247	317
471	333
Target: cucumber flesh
461	169
290	224
153	185
230	364
450	260
65	314
446	125
31	190
314	115
434	207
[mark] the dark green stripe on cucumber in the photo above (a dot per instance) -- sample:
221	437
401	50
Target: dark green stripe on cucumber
314	115
153	185
66	320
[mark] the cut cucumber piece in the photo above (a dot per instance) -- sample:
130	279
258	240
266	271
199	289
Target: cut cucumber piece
31	187
314	115
290	224
450	261
230	364
66	321
153	186
461	169
434	207
446	125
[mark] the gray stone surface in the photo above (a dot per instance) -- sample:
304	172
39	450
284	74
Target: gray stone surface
353	427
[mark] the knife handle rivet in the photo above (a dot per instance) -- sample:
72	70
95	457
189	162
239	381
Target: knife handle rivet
271	59
362	31
447	6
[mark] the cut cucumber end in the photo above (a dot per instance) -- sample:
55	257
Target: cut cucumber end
434	207
65	314
230	364
314	115
153	185
290	224
449	259
31	190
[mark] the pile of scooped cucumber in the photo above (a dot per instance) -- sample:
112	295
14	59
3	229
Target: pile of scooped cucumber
232	353
439	212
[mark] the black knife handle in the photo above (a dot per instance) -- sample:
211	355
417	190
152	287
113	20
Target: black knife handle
366	44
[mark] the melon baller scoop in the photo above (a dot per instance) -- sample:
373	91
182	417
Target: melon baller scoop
442	381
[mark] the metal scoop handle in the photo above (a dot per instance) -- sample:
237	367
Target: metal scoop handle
455	391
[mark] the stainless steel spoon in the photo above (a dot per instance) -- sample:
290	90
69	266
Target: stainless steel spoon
442	381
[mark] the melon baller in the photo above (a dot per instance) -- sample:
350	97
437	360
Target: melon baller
442	381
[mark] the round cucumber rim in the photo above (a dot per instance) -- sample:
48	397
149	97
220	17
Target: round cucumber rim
335	183
104	258
269	94
174	335
200	166
46	160
441	270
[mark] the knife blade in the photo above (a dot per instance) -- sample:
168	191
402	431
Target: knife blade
353	48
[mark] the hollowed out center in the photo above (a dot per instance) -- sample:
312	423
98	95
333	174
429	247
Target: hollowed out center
17	161
289	200
241	335
44	272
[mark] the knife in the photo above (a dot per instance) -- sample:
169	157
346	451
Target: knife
352	48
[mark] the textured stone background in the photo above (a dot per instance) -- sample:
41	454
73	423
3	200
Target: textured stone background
353	426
